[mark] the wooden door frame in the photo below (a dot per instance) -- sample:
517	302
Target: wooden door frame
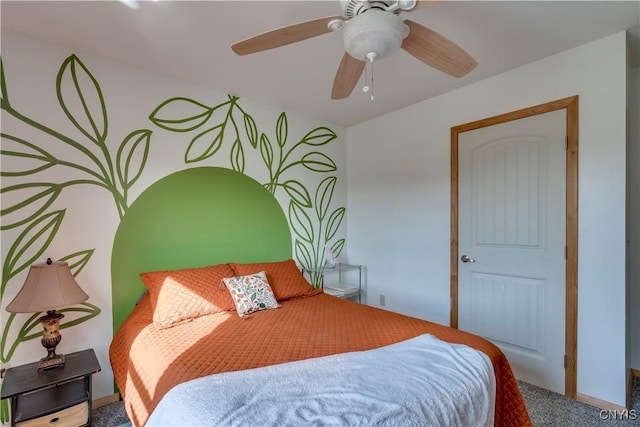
571	274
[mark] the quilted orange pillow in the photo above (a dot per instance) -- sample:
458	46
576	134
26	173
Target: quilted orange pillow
179	296
284	277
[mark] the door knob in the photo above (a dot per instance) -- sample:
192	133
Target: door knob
465	258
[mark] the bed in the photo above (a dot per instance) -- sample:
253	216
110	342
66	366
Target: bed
188	341
184	354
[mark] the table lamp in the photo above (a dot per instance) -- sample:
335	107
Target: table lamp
49	286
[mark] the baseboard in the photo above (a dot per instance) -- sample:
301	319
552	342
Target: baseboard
105	400
602	404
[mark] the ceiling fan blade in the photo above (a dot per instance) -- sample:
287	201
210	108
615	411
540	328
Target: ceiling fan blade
437	51
284	36
347	76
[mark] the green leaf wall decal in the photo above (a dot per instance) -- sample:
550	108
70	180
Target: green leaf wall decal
319	136
30	245
4	95
132	156
81	99
30	329
85	307
298	193
237	156
300	222
251	130
303	255
318	162
171	115
335	219
336	248
35	198
282	130
24	151
324	194
77	260
266	150
205	144
27	327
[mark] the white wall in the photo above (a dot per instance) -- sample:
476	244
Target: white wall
398	174
633	218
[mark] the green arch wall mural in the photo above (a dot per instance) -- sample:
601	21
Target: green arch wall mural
116	166
195	217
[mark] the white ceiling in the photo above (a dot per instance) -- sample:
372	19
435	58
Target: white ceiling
189	40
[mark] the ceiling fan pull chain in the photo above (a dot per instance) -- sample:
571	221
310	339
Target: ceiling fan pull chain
370	56
365	88
371	80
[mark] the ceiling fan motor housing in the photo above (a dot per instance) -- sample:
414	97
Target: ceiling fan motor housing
375	32
353	8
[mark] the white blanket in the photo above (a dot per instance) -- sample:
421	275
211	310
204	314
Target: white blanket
419	382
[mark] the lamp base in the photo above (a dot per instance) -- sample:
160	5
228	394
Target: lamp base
50	339
51	362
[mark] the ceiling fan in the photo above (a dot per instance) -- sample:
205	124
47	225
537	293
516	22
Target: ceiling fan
372	29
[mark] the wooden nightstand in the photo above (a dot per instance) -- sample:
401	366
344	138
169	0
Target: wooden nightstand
56	397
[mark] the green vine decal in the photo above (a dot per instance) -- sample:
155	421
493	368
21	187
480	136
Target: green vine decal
314	160
219	123
82	103
309	243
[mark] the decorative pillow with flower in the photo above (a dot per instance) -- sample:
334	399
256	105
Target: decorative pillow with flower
251	293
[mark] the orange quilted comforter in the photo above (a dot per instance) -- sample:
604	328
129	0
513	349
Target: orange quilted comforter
147	362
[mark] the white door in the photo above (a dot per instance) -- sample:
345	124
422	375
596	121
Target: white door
511	285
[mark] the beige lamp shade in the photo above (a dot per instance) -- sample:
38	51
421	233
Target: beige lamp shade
48	287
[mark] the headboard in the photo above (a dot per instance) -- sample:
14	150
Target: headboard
192	218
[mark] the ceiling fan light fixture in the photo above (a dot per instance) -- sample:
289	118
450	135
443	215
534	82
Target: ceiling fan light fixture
335	24
376	32
133	4
407	4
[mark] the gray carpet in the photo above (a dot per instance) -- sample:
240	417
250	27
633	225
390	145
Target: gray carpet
545	409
